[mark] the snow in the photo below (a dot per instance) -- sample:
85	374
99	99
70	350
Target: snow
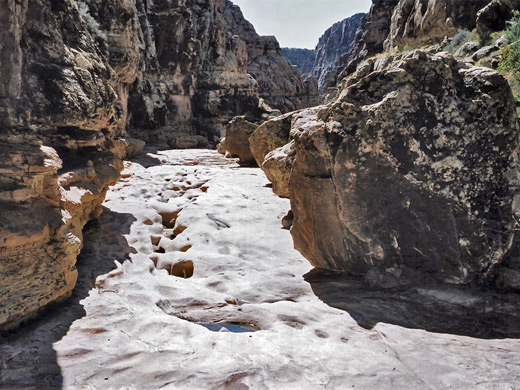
142	328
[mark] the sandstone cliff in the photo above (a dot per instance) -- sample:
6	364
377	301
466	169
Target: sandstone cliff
280	83
77	78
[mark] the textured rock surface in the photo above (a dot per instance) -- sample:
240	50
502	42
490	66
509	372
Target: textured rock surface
332	45
412	171
238	132
77	78
60	116
398	24
269	136
280	83
416	23
494	16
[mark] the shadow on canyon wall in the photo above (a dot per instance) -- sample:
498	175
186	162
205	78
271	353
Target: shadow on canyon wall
451	309
27	358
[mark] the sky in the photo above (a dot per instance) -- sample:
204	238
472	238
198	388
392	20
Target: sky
298	23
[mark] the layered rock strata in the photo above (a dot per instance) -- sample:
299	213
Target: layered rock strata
280	83
77	78
411	174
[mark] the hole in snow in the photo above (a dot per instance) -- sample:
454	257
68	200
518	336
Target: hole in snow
185	248
159	250
155	240
169	218
182	269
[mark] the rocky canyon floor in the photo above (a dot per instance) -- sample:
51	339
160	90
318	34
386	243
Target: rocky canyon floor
188	281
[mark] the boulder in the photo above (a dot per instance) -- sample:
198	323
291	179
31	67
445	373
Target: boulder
269	136
278	166
467	49
238	132
412	169
495	15
484	52
188	141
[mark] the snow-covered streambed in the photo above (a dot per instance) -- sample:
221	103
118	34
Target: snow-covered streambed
205	248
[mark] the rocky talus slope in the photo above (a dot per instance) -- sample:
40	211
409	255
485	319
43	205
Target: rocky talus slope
78	77
410	174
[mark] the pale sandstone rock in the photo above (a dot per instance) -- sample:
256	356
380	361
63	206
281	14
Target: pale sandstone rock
278	166
238	132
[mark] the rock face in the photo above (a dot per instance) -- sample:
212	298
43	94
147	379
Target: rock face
494	16
77	78
280	83
411	173
332	45
418	23
60	116
398	24
298	57
236	143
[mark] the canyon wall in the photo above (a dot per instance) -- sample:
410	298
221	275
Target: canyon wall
78	78
393	25
332	45
280	83
298	57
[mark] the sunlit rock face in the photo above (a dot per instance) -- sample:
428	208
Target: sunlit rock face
77	78
332	45
416	23
406	24
280	83
60	115
412	172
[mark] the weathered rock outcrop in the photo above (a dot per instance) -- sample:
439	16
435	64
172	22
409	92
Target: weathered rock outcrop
416	23
494	16
280	83
60	117
332	45
401	24
77	78
412	173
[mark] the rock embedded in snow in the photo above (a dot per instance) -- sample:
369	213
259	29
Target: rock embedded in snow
413	167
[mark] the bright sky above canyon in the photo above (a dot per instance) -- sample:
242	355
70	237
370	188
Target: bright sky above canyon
298	23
